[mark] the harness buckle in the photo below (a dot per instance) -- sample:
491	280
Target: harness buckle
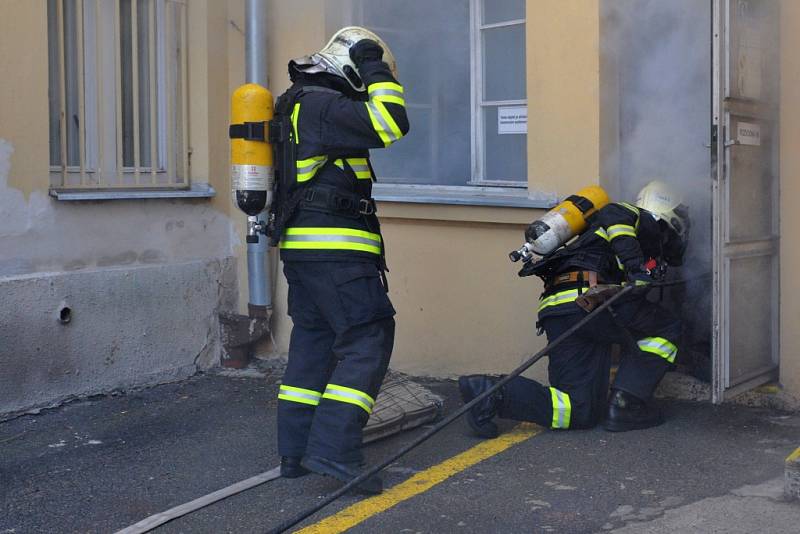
309	194
366	206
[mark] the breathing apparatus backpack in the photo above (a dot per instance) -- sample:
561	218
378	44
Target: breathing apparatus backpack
546	236
281	135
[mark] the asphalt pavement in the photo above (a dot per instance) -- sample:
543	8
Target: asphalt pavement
103	463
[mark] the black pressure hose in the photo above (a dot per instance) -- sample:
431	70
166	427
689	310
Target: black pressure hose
286	525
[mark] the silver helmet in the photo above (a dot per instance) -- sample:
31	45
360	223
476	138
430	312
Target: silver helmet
334	58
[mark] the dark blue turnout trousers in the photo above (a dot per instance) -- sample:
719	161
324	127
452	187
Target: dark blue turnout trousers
339	352
579	367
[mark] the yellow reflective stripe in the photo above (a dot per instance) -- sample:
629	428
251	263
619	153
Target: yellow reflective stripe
634	209
326	230
659	346
561	297
383	123
390	98
377	126
602	233
389	119
331	239
301	395
307	168
392	86
361	170
387	92
350	396
330	245
295	116
562	408
619	263
618	230
359	165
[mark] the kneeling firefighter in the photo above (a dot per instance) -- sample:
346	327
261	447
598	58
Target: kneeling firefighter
344	100
623	244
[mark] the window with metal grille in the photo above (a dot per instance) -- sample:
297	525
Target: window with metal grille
117	94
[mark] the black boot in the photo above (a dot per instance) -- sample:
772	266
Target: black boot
343	472
480	416
626	412
291	468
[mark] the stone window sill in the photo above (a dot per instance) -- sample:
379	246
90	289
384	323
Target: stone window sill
464	196
195	191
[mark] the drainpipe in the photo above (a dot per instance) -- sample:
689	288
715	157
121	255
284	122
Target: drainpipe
258	276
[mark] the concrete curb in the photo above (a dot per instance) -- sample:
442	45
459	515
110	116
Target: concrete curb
791	484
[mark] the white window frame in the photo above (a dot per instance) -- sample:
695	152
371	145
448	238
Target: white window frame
476	191
99	87
477	77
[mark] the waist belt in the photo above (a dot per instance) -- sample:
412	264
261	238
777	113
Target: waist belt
573	277
330	199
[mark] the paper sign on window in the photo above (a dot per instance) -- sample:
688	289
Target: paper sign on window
512	120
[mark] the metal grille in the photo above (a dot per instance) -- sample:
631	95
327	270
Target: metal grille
117	88
401	405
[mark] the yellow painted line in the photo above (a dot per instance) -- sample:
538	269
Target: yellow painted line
794	457
421	482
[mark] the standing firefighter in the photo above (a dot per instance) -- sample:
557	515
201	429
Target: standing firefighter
624	244
344	100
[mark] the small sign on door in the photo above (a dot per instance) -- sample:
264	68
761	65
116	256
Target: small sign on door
512	120
748	133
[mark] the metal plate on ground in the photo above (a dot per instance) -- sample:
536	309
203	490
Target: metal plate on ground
401	405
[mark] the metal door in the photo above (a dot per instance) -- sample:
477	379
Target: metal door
745	181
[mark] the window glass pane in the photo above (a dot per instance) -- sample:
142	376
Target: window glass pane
143	42
68	53
431	41
504	63
126	65
72	46
54	82
502	10
506	154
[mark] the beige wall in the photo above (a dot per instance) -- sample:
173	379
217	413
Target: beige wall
23	92
790	192
209	95
563	69
461	308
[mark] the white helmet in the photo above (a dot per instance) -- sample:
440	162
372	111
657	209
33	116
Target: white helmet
334	58
666	204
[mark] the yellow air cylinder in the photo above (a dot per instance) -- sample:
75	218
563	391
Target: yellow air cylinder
566	220
252	174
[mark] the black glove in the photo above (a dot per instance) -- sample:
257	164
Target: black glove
365	50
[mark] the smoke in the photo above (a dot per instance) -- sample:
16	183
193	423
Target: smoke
662	54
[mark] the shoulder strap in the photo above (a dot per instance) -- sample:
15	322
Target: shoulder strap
281	135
